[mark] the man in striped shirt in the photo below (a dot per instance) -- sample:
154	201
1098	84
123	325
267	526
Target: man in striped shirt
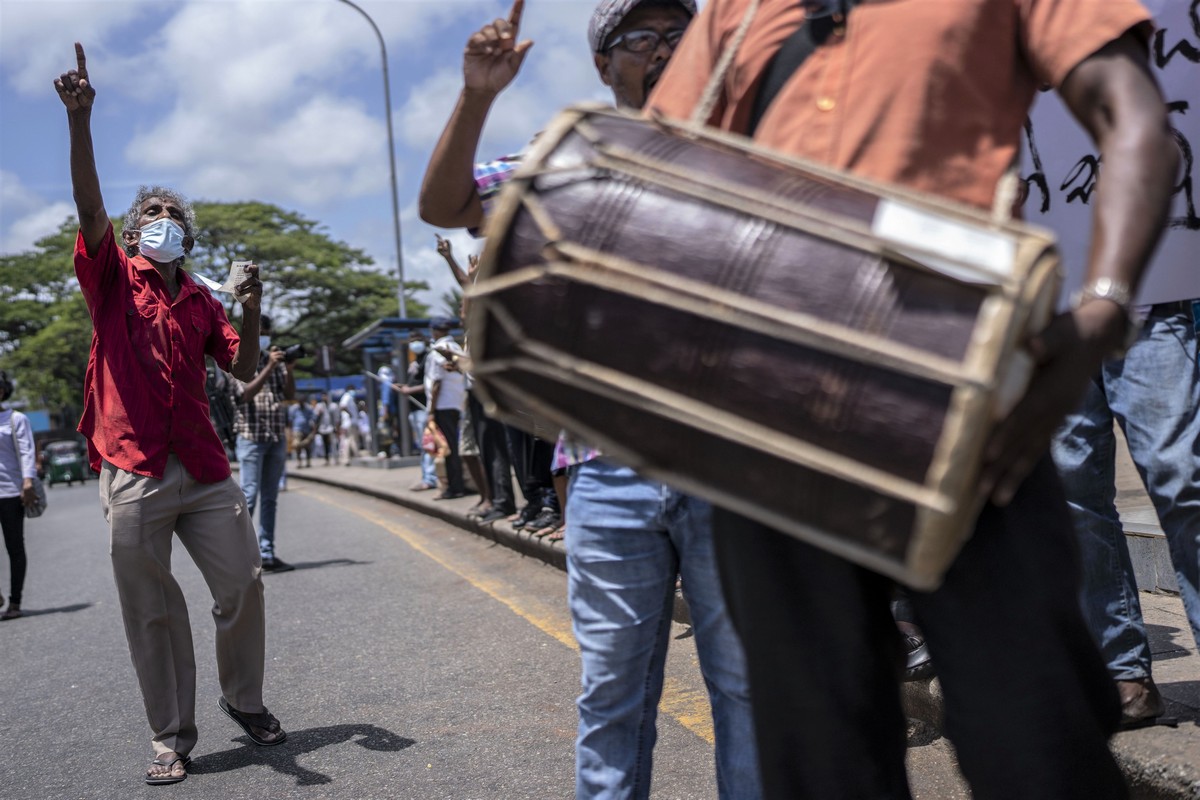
262	439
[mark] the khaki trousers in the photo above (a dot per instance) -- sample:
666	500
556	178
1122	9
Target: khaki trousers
212	523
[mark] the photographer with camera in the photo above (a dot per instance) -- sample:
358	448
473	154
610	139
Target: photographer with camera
262	436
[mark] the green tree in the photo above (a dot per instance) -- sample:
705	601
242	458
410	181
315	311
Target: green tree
318	291
452	302
45	330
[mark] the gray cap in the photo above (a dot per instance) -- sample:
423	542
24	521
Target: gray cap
609	13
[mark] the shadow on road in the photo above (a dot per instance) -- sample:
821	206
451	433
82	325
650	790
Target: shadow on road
330	562
37	612
283	759
1163	635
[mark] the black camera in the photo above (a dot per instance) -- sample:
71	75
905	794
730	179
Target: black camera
293	352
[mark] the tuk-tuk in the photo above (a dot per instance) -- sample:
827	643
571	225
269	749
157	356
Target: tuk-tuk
65	462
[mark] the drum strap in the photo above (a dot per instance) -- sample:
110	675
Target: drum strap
795	50
798	47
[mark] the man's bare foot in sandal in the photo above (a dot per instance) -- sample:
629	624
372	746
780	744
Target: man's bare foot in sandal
167	768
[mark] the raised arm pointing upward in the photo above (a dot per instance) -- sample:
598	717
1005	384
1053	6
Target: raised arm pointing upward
491	60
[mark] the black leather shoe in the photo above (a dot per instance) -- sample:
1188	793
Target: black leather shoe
918	663
495	515
1141	703
276	565
528	514
544	521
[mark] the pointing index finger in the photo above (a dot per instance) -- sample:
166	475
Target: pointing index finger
81	60
514	16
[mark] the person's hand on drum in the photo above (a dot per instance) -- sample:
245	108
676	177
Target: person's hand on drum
1067	355
493	56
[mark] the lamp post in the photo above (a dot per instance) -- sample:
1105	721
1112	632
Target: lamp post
402	405
387	104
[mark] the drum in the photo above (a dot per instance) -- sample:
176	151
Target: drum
817	352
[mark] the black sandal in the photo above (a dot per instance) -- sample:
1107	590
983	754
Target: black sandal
161	780
266	721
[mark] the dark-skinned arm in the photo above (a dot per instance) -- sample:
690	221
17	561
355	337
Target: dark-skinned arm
77	94
491	60
1114	96
446	251
289	381
255	384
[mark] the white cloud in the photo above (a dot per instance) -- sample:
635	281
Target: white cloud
557	72
37	36
322	151
422	261
26	217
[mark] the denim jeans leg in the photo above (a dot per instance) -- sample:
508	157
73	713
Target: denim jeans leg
249	472
620	589
722	659
417	420
1084	451
1155	395
274	459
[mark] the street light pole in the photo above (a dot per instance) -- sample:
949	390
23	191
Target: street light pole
402	405
387	104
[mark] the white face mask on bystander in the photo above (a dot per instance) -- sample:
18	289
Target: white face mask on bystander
161	241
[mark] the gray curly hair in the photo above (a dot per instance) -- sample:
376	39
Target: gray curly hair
135	208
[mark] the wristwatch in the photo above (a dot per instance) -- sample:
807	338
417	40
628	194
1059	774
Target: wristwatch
1116	292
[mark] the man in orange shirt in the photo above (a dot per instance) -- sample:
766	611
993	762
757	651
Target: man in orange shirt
932	95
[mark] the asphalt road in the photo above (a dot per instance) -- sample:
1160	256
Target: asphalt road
406	659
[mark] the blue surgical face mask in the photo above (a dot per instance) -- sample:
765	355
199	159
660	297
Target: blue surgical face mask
264	342
417	348
161	241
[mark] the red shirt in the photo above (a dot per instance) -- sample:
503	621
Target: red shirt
144	395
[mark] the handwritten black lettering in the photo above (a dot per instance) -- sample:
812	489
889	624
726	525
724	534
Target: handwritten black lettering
1082	179
1188	220
1038	176
1183	47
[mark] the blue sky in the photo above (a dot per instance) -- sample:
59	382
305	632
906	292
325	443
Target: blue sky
279	101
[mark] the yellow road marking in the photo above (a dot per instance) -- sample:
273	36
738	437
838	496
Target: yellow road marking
688	707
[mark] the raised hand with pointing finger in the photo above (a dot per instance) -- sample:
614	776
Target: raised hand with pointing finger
493	55
74	87
491	60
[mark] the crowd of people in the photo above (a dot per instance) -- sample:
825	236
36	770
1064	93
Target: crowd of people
799	649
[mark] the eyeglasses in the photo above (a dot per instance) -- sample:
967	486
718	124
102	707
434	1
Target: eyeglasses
645	41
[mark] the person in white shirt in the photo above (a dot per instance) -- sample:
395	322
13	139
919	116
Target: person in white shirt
446	390
347	428
18	468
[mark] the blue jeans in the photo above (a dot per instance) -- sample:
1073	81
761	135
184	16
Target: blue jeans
261	468
627	538
416	421
1154	395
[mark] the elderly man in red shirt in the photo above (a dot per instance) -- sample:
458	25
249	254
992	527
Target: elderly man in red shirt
163	469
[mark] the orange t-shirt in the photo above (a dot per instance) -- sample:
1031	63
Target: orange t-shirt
929	94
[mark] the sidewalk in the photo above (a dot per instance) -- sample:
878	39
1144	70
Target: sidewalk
1160	763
